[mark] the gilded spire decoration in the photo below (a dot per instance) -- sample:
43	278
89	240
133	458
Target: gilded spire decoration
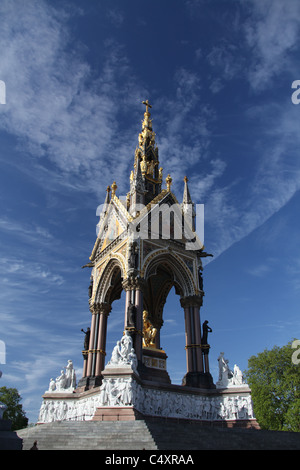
148	105
160	174
169	182
146	177
147	136
113	188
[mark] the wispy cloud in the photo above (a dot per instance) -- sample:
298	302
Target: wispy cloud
55	104
272	32
268	44
184	126
227	59
30	271
25	231
116	16
262	269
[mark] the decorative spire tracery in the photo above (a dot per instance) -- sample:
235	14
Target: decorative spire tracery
146	163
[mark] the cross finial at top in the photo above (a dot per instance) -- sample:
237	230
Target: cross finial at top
147	104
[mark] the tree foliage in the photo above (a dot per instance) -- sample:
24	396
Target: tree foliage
275	384
11	398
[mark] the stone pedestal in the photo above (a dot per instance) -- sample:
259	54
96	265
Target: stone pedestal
199	380
86	383
113	413
155	365
124	395
130	392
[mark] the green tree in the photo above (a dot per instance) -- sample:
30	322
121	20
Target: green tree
274	380
11	398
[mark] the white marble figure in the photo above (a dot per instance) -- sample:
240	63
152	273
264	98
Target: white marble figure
123	354
227	377
61	381
237	378
65	382
70	376
52	385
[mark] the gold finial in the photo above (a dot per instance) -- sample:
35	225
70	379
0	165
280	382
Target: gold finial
169	182
185	179
113	188
148	105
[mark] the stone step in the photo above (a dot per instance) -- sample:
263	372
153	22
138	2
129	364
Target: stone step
196	436
152	434
122	435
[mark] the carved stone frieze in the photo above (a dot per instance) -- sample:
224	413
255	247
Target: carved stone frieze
126	391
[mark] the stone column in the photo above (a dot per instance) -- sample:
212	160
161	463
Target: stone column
91	345
100	351
195	376
127	300
133	286
192	333
188	340
205	351
138	344
84	371
198	338
94	357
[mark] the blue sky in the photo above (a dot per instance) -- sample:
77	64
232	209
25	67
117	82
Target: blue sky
219	76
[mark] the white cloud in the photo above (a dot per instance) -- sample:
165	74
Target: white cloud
263	269
272	33
31	233
55	105
27	272
270	38
226	58
116	17
182	123
202	185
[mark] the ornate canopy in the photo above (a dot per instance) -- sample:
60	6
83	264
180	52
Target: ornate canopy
146	244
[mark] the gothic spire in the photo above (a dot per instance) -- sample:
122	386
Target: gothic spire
147	136
188	207
186	192
146	163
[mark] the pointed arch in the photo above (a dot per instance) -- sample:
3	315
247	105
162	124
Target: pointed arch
109	286
162	271
181	275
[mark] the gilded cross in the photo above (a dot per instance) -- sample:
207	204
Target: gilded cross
147	104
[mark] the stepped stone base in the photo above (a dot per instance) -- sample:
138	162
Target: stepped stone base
153	434
124	396
89	435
